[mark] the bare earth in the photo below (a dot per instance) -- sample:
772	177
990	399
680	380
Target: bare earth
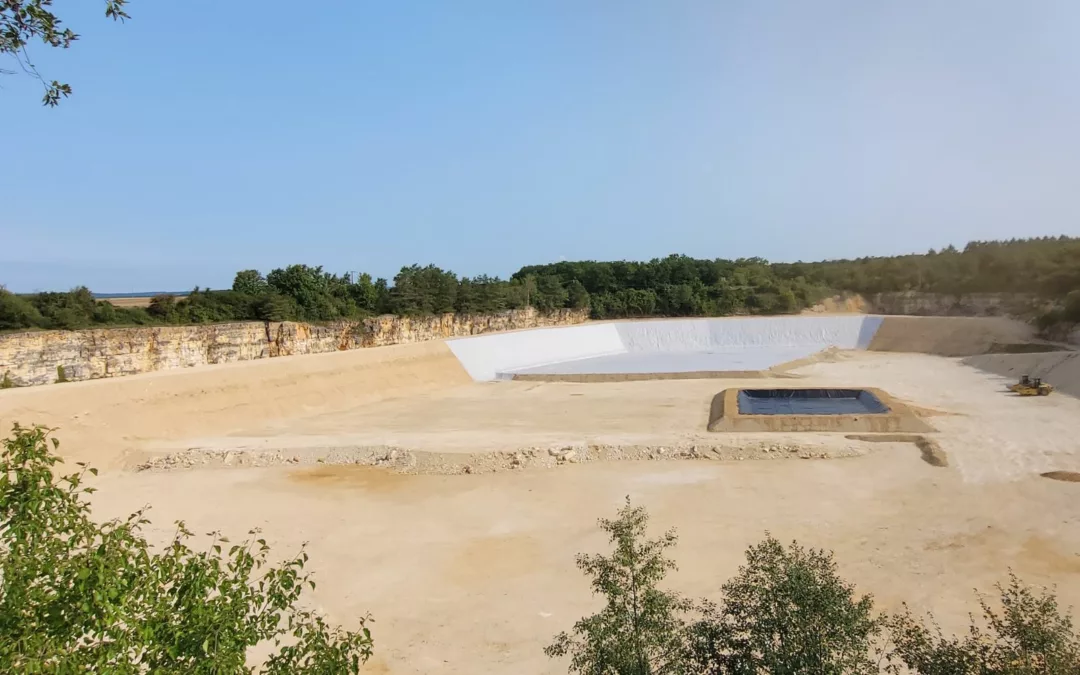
142	301
473	573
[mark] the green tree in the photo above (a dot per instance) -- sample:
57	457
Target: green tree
577	295
365	293
67	311
310	289
1071	307
250	282
787	612
424	290
17	312
1028	635
79	596
550	293
162	307
641	629
23	22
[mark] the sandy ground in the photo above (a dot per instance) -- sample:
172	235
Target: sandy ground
989	435
110	422
474	573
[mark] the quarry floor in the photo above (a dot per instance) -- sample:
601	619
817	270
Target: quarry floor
474	572
988	434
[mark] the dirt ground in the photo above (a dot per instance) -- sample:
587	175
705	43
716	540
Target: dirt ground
471	573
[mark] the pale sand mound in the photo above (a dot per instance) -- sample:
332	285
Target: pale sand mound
1061	369
103	420
949	336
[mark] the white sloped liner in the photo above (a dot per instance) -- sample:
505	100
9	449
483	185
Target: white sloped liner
486	356
675	345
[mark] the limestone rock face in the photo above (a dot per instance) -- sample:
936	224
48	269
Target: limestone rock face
40	357
913	303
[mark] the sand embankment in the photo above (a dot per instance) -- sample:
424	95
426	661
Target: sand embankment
949	336
103	420
1061	369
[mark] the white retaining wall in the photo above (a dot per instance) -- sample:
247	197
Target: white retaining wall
487	357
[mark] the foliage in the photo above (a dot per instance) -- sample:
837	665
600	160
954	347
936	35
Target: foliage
79	596
61	375
640	630
162	307
6	382
1028	635
1070	310
25	21
1047	269
786	612
250	282
423	290
17	312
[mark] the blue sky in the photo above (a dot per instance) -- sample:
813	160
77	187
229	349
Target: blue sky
207	136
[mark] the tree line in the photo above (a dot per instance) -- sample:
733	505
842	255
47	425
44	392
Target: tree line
678	285
77	595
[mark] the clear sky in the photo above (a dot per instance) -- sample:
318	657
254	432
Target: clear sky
207	136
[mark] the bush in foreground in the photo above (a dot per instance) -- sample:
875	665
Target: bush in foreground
640	630
79	596
1028	635
788	612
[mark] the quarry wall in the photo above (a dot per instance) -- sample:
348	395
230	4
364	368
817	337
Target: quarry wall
913	303
44	357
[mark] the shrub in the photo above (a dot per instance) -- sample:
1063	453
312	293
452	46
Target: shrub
1027	636
640	630
61	375
1071	309
162	307
787	612
17	313
78	596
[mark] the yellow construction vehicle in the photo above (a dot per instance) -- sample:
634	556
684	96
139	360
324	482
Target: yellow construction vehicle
1024	383
1028	386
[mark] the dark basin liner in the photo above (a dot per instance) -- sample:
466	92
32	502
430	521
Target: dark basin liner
809	402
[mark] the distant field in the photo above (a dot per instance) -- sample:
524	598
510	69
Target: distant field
140	301
133	299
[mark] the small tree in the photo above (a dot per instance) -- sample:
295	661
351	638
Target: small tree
640	630
787	612
16	312
1027	636
78	596
162	307
250	282
577	296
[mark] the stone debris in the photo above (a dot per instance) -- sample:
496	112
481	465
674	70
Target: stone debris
403	460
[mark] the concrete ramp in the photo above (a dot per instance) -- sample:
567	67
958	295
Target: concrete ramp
1061	369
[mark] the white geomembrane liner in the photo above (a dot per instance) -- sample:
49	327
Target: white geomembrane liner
661	346
485	357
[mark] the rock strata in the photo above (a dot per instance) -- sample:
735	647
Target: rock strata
45	357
